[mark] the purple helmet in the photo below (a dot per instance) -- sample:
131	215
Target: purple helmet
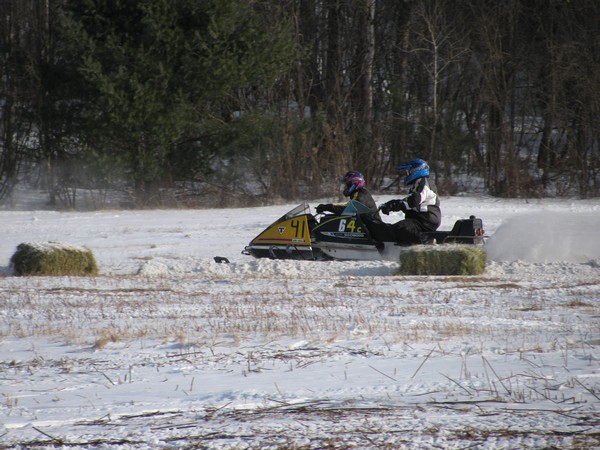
352	181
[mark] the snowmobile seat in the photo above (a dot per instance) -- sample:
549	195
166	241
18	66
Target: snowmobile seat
465	231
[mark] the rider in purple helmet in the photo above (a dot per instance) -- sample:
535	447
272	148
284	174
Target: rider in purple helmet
353	184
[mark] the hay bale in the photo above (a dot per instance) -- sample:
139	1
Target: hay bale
442	260
53	258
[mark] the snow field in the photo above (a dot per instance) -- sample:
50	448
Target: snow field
168	349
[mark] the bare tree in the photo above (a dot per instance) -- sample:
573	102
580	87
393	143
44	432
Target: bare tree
14	126
437	49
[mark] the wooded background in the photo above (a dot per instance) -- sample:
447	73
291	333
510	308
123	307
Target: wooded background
245	102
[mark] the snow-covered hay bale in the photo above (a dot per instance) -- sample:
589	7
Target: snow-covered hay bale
53	258
442	260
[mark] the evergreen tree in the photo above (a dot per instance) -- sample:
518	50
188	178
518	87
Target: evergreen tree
165	74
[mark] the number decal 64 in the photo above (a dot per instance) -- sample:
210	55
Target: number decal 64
351	225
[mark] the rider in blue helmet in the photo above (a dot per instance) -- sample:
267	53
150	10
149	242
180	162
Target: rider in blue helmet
353	187
415	169
421	207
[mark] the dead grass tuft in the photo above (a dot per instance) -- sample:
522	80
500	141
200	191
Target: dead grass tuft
579	304
107	337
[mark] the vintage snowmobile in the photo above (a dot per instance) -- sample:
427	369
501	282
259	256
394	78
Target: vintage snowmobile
298	234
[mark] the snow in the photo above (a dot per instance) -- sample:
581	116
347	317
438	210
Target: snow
169	349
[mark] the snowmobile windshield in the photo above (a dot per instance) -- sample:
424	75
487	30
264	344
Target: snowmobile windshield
355	207
299	210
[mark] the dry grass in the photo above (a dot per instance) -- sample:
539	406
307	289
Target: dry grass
578	303
106	337
247	324
122	309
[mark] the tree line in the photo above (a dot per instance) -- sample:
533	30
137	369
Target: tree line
244	102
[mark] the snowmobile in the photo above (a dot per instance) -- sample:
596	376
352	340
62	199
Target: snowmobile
298	234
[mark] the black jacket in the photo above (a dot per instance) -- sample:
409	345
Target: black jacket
364	196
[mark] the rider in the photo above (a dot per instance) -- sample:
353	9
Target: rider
354	188
421	208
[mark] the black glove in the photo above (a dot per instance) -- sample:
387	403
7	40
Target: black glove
394	205
324	207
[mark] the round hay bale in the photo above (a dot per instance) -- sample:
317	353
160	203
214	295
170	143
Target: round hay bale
442	260
53	258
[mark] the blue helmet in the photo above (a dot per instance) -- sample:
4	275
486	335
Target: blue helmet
417	168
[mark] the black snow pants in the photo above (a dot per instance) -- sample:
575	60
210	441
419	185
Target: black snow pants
407	231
